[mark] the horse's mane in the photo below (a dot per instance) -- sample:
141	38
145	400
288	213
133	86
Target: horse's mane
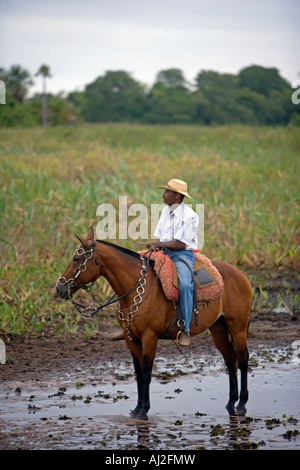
124	250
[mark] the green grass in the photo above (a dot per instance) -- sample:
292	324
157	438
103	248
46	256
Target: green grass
52	181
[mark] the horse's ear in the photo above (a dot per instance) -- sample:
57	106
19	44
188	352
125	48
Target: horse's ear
81	241
90	235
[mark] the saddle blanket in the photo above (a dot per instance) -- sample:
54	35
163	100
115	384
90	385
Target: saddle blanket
209	282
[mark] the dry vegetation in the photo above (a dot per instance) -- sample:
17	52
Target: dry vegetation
53	179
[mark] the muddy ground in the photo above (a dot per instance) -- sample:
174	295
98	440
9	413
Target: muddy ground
76	393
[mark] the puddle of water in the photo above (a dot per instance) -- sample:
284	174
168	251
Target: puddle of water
187	411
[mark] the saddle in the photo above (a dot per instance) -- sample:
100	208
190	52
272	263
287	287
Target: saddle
208	281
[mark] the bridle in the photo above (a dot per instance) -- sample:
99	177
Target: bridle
88	254
87	312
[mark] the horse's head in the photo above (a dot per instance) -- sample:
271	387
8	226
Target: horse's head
82	269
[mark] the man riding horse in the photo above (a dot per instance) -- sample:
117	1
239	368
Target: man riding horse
146	314
177	231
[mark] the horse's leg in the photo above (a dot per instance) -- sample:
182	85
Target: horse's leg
243	366
219	331
236	304
137	354
149	342
143	356
240	344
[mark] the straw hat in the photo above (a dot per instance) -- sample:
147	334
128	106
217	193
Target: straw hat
178	186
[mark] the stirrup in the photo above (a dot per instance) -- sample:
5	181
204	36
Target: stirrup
177	339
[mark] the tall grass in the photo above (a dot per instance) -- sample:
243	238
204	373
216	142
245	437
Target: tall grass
52	181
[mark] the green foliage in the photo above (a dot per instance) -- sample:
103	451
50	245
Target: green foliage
255	96
14	113
21	111
172	78
116	97
17	81
169	105
262	80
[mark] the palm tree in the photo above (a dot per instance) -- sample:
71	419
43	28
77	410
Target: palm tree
44	71
17	81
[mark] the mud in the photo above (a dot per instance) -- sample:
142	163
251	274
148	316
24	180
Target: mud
77	393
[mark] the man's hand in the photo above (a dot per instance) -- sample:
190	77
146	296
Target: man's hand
152	244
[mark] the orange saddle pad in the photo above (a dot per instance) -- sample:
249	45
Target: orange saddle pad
209	286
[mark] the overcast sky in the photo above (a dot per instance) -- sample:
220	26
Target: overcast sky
82	39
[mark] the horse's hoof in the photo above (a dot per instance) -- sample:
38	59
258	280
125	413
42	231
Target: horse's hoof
142	416
230	408
241	409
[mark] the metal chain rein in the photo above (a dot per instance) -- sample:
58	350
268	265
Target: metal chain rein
137	300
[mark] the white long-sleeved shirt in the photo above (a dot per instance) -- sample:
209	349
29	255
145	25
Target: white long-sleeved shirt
180	224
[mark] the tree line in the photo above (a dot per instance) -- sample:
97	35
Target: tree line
255	96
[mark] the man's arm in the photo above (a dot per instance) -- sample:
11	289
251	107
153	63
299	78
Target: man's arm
173	245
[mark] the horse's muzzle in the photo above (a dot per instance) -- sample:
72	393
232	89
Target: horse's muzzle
62	290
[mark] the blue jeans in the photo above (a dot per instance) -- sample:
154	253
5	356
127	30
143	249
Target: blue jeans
185	281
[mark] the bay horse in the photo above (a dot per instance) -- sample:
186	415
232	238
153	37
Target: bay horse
146	315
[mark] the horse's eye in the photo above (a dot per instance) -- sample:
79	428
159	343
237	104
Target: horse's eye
76	260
